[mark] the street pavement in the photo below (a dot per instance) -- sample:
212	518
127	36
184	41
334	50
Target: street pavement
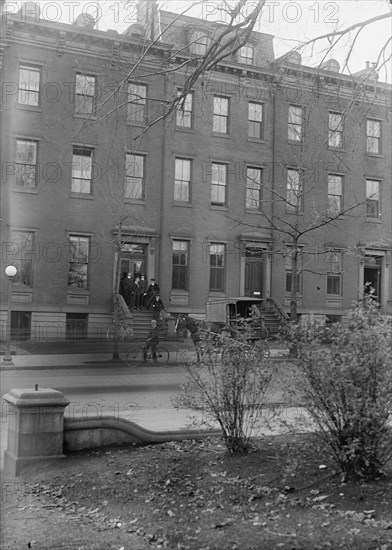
97	386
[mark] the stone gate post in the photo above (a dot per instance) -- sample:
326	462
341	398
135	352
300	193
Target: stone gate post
35	427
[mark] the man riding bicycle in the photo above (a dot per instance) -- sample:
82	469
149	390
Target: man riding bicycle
152	341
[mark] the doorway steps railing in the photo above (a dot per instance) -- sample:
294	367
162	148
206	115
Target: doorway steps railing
122	310
274	316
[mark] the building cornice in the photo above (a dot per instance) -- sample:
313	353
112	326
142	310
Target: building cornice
119	48
78	34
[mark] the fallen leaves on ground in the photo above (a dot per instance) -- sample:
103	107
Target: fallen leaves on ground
193	495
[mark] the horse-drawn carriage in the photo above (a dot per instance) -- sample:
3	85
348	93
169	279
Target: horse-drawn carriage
230	315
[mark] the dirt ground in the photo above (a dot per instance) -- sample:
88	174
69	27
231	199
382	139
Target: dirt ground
193	495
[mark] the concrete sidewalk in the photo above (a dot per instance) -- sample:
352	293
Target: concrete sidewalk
85	353
27	360
82	360
59	360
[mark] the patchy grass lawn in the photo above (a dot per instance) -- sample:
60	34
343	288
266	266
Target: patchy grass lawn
193	495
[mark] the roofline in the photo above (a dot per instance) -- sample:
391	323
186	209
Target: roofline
109	34
112	35
331	74
202	22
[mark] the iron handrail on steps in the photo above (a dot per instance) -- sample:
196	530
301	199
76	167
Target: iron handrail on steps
278	308
123	310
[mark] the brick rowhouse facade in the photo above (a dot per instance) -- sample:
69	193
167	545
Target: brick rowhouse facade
207	198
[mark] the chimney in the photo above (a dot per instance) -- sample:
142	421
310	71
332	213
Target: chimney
30	10
369	73
148	17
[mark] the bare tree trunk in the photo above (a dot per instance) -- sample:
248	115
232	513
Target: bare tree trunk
116	343
293	347
294	282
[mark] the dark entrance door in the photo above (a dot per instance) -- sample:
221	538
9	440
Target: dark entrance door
20	325
133	259
77	325
372	276
254	272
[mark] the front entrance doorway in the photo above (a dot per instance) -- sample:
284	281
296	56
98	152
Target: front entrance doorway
254	265
372	276
133	259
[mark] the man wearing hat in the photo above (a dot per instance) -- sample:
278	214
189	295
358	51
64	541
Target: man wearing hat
152	341
157	306
152	291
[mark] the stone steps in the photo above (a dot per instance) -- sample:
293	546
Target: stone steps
272	322
142	324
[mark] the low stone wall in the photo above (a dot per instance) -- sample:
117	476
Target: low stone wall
37	430
82	433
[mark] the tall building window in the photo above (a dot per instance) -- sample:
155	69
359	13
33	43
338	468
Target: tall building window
217	267
199	42
29	85
335	135
255	120
184	111
182	180
373	136
134	182
289	270
26	163
253	187
218	184
137	102
334	275
335	194
85	94
373	198
82	162
245	54
295	123
294	197
22	256
180	265
78	264
221	115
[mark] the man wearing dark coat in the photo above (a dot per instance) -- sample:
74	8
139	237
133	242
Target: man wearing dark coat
157	306
152	340
128	285
122	289
152	291
136	292
143	291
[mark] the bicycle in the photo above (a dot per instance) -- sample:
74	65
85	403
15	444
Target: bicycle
124	332
135	355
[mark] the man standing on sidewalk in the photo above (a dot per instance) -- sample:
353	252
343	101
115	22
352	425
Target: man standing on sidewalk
152	340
